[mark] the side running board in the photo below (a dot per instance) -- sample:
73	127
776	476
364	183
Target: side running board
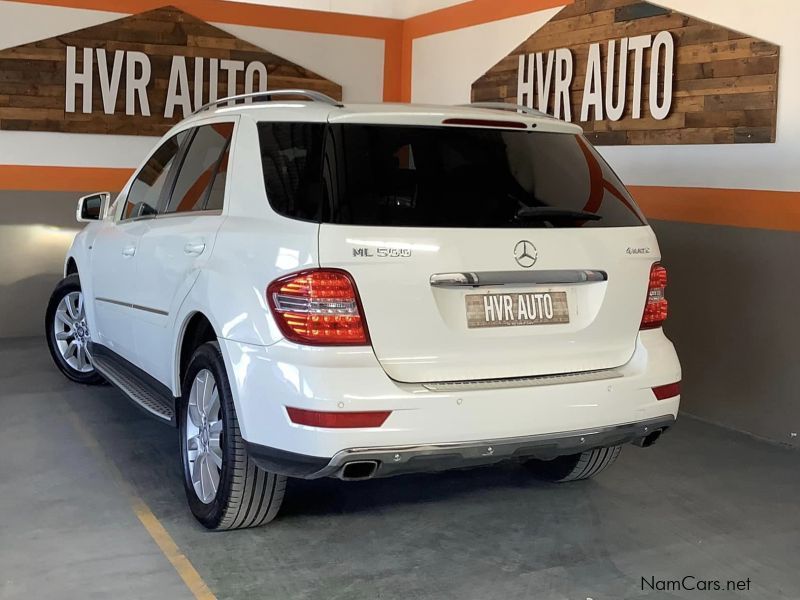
148	394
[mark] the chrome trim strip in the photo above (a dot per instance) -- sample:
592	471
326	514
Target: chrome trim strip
189	213
172	215
134	306
499	278
135	219
150	310
110	301
530	381
394	460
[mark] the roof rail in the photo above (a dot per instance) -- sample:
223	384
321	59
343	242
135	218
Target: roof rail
268	95
506	106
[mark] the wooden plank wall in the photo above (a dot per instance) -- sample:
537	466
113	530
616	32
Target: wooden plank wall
33	76
725	82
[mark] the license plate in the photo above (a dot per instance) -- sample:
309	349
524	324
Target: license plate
505	310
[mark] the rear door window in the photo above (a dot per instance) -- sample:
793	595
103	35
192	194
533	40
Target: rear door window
200	184
419	176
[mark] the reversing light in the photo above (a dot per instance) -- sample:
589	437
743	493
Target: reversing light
655	309
318	307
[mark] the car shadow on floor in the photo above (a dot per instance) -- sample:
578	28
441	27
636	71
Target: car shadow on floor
330	496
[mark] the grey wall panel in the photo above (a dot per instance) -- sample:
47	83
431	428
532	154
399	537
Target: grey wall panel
734	296
36	228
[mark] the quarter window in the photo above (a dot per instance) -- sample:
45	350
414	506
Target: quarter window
148	186
200	183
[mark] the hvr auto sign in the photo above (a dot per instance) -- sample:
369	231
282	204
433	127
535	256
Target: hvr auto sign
180	91
542	75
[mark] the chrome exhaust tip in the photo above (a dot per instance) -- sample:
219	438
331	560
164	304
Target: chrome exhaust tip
358	470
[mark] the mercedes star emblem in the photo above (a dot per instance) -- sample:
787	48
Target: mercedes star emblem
525	254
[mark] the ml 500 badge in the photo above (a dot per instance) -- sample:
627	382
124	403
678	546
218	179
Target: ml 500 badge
382	252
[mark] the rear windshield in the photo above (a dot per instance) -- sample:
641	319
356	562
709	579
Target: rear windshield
414	176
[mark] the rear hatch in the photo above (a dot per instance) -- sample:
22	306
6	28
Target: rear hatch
479	252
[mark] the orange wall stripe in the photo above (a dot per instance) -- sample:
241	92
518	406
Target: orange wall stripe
758	209
475	12
62	179
241	13
393	65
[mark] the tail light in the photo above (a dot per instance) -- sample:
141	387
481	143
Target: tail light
318	307
655	310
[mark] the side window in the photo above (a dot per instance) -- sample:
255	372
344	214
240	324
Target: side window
146	189
291	158
200	183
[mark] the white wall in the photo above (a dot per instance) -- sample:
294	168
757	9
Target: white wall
354	63
445	65
394	9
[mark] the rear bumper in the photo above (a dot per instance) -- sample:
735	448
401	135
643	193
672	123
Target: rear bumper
266	379
398	460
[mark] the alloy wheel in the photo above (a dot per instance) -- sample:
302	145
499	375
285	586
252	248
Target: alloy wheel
72	332
203	445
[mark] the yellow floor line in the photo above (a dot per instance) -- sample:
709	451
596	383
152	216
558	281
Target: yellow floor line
164	540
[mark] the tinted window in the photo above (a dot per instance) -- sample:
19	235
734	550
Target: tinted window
201	180
146	189
216	196
416	176
291	157
470	177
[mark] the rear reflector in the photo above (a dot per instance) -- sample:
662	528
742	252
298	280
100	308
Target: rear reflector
655	309
337	420
318	307
486	123
670	390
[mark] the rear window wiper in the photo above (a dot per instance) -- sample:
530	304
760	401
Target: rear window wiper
545	213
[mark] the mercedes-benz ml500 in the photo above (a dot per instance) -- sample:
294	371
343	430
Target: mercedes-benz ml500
308	289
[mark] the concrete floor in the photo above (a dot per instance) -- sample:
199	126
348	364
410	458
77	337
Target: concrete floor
703	502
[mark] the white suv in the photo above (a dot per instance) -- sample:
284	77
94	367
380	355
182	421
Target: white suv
307	289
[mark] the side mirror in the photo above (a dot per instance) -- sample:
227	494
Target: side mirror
92	207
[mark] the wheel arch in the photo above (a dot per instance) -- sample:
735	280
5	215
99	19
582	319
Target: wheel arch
195	330
70	266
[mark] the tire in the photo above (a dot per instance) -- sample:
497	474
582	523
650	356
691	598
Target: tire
575	466
243	495
67	333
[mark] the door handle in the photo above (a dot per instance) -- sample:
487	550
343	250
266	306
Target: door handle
129	251
194	248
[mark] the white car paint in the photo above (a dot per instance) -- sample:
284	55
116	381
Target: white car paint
417	332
